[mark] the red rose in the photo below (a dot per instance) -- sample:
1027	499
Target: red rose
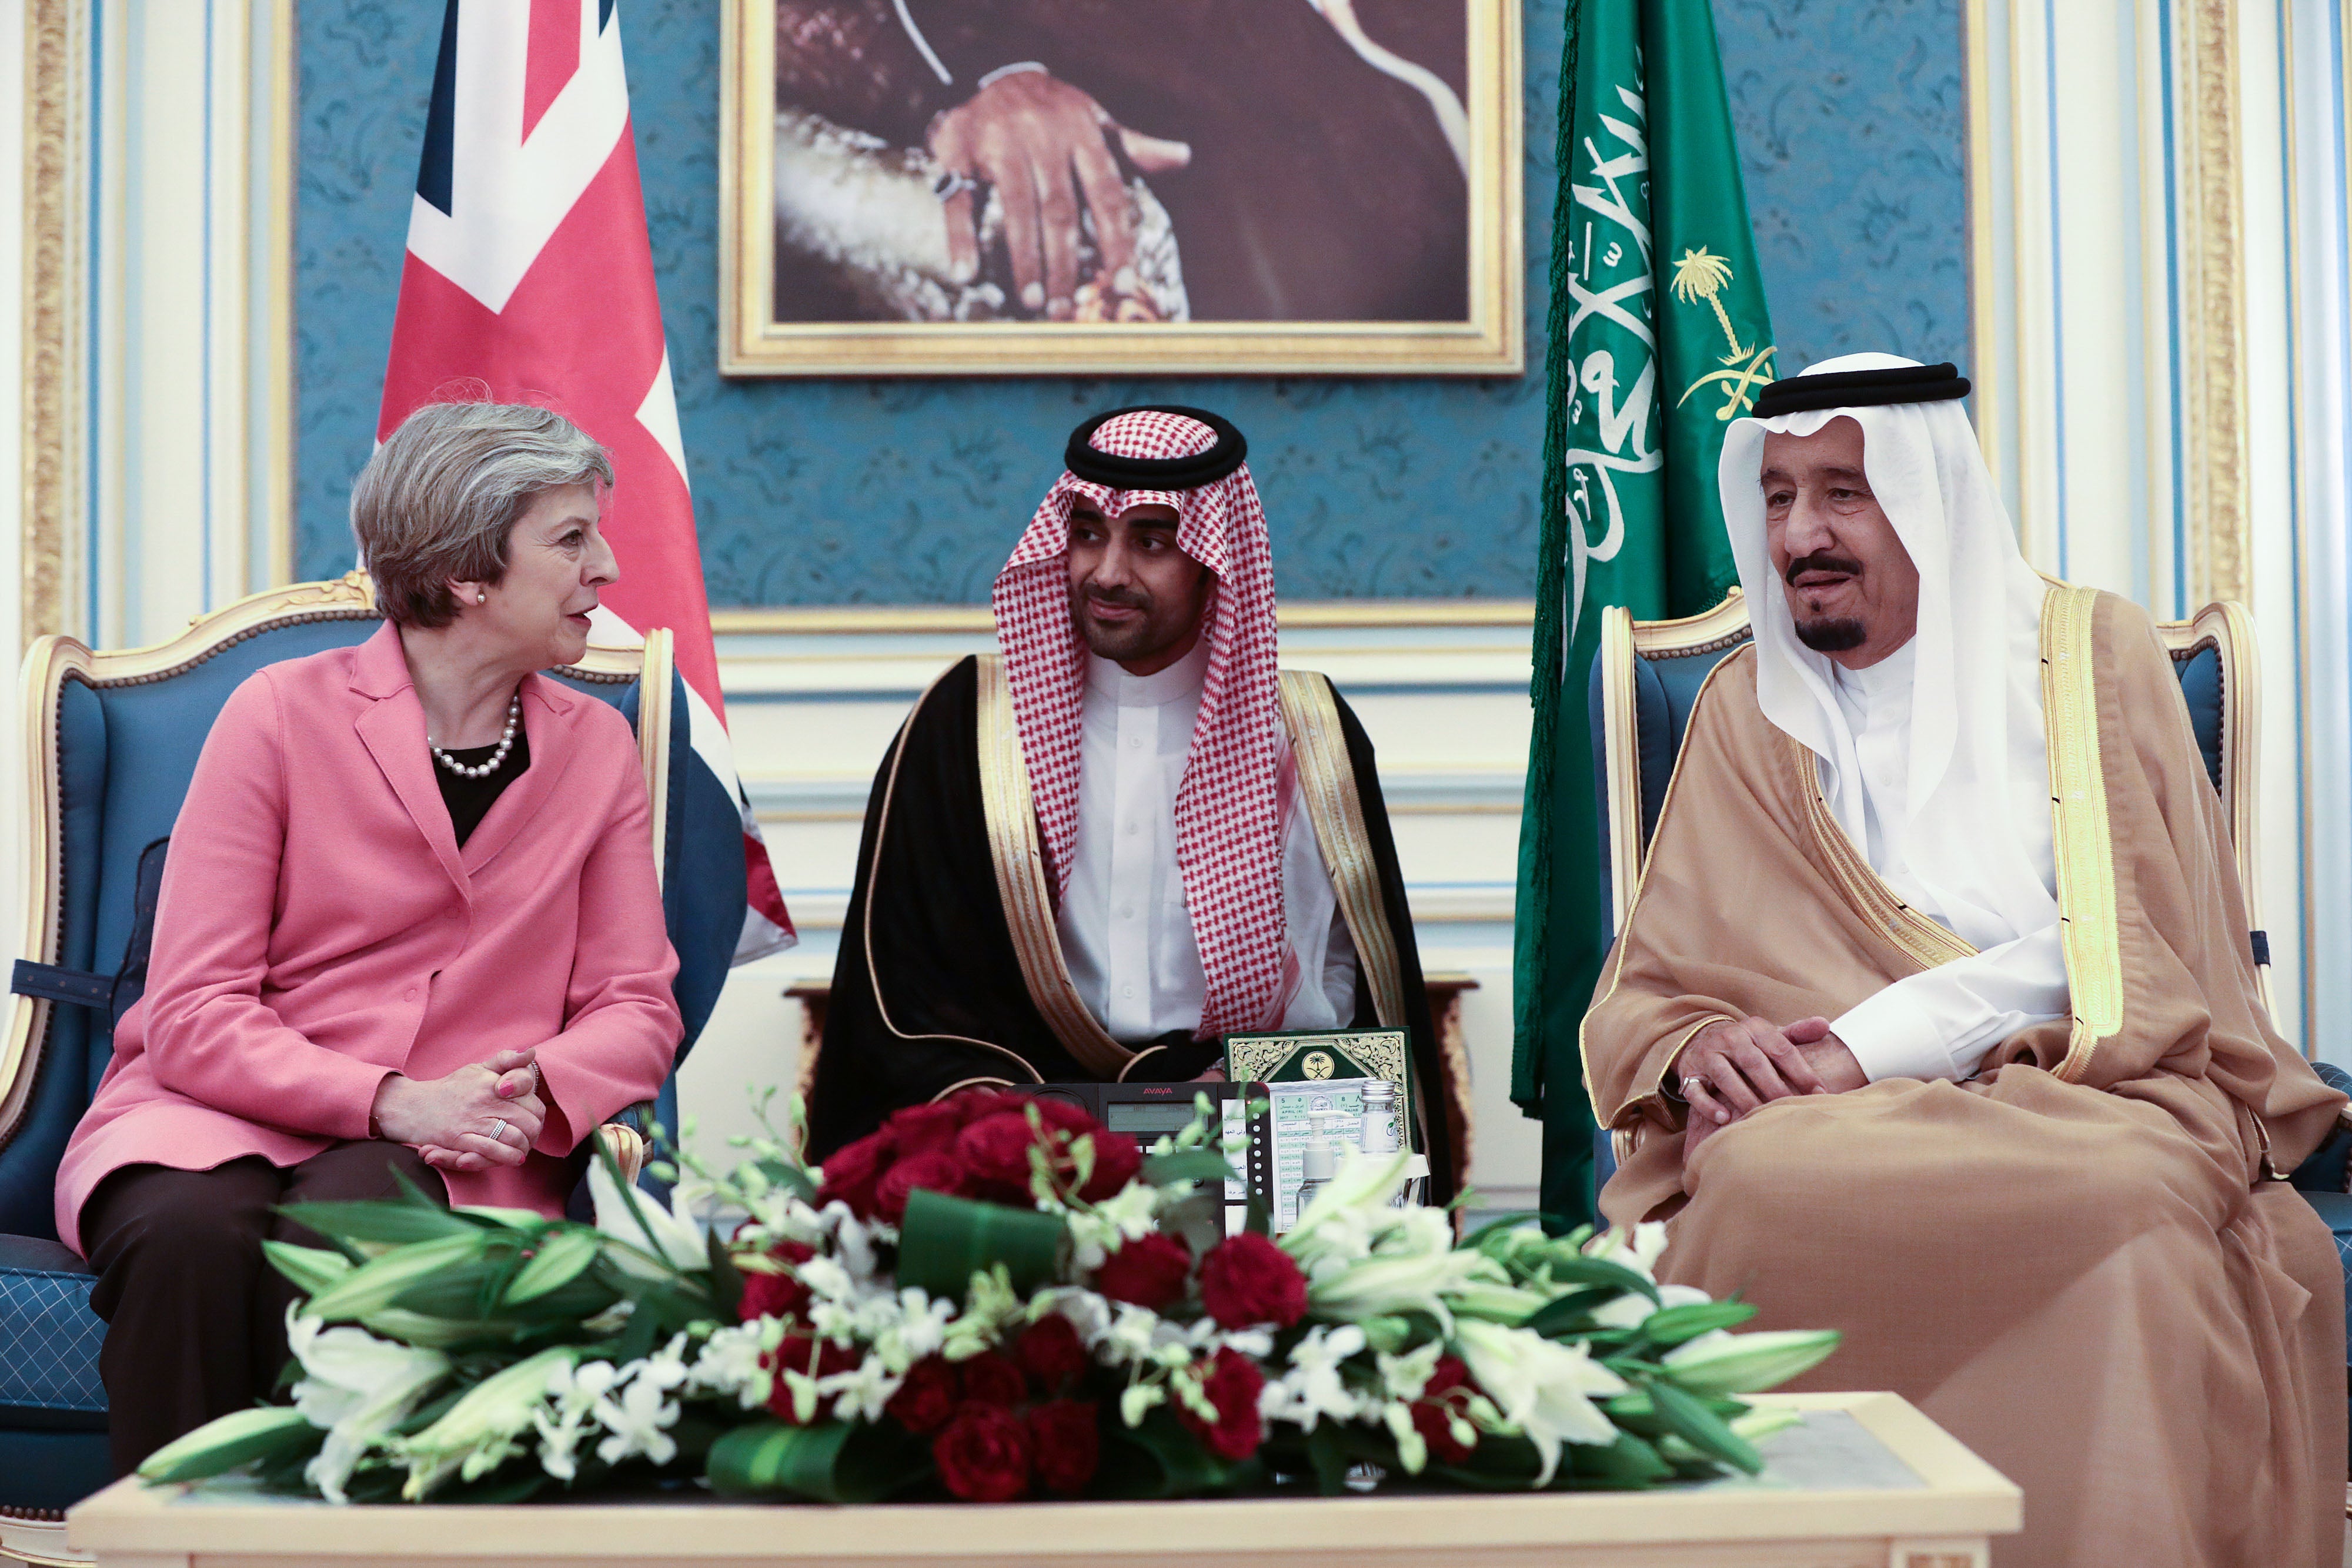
1246	1279
776	1295
926	1397
1148	1271
851	1173
1049	1350
992	1378
937	1169
1430	1412
1068	1448
982	1455
1116	1159
917	1128
996	1150
812	1358
1233	1387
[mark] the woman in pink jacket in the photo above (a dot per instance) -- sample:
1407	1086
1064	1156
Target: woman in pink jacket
409	923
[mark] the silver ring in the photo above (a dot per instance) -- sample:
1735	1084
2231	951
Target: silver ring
497	1130
1686	1085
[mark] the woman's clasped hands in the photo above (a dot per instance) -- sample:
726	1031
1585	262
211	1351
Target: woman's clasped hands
487	1115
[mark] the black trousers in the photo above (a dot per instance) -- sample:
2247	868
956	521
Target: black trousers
195	1316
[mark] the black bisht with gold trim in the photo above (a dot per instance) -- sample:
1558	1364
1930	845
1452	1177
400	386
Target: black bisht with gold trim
951	916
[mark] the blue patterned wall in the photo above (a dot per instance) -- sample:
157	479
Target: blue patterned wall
1853	124
903	491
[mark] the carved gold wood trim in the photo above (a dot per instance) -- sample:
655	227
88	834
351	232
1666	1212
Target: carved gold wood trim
2213	319
654	719
2228	626
57	34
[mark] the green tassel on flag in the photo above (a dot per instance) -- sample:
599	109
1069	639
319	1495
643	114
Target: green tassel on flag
1659	340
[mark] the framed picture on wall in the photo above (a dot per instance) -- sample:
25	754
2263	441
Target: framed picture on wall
1093	187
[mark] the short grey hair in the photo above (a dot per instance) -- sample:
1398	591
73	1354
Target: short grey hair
438	501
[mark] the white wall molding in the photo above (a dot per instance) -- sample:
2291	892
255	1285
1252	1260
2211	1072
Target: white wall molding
191	330
2137	337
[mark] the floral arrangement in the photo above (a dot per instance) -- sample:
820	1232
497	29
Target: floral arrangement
991	1298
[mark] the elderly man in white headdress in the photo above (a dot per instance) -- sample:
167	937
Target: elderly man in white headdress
1937	1018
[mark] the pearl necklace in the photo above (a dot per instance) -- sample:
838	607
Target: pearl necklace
506	744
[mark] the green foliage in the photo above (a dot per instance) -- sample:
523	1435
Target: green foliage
267	1432
1159	1460
830	1461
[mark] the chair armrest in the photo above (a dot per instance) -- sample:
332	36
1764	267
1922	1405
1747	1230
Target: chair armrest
2329	1168
627	1146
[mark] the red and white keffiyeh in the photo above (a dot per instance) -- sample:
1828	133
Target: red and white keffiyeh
1228	812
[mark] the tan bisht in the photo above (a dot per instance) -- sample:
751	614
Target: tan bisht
2078	1262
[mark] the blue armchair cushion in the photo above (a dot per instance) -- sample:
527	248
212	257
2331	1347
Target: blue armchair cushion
49	1379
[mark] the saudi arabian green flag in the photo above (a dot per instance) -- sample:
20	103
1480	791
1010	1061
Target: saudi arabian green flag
1659	340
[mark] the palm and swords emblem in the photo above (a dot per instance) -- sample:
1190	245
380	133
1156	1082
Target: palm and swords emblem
1702	274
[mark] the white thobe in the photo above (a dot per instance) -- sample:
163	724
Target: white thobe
1940	1022
1126	928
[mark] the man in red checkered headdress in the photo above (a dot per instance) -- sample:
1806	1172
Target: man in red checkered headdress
1128	834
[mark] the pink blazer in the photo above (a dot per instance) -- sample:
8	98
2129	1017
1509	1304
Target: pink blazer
320	928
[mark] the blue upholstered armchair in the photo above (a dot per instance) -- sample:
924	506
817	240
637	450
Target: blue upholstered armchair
113	739
1647	677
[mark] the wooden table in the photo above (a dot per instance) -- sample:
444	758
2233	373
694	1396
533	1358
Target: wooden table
1867	1482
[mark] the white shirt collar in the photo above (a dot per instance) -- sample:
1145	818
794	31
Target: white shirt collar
1177	682
1884	684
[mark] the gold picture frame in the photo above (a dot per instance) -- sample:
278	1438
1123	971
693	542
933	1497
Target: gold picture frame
1490	340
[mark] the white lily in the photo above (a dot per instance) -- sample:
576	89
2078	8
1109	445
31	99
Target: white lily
1138	1401
640	1418
1311	1387
1413	1448
731	1362
1542	1387
574	1391
670	1233
478	1434
1382	1285
1132	1334
1640	1251
918	1328
1404	1377
1633	1309
1098	1232
1723	1362
358	1388
861	1392
1496	1301
1364	1182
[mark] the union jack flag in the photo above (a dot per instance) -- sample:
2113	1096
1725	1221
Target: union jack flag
529	269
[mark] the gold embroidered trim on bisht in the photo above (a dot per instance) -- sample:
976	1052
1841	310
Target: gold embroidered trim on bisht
1020	861
1617	946
1327	781
873	883
2078	825
1926	943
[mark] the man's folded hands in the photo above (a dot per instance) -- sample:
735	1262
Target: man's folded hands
1734	1065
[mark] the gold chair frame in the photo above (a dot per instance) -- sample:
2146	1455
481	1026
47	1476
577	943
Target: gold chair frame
2223	626
54	660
